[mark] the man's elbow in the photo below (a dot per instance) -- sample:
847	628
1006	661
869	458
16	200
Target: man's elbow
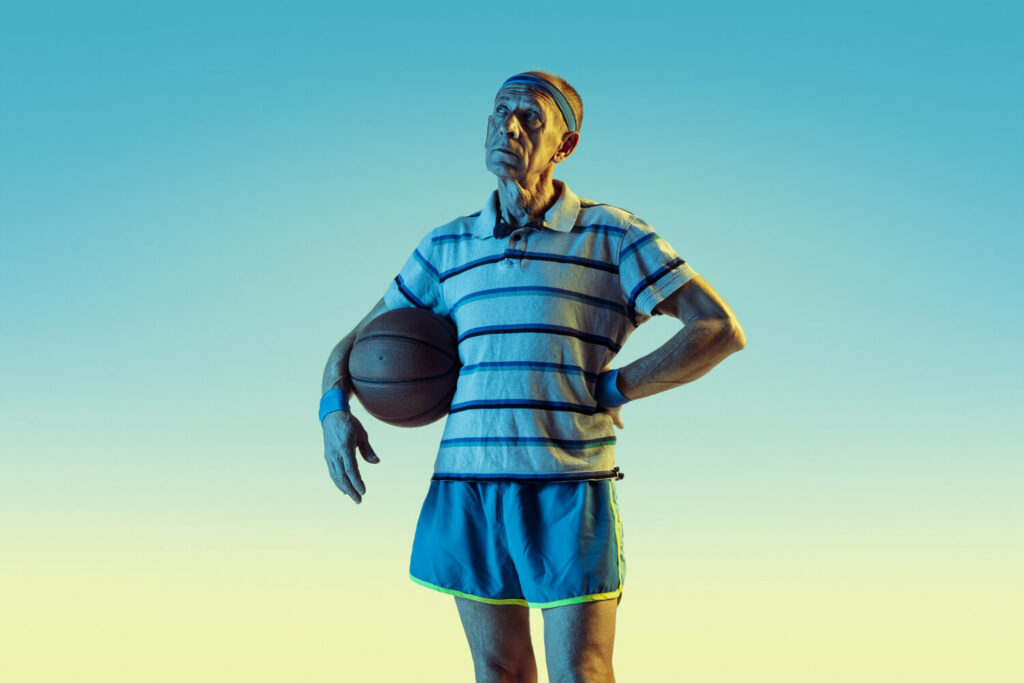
734	333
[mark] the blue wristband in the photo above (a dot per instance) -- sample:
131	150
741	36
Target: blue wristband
333	401
607	392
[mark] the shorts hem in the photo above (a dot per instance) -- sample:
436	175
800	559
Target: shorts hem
520	601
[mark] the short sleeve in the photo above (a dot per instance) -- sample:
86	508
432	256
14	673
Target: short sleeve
649	270
418	283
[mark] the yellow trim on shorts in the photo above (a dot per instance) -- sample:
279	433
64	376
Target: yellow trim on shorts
516	601
618	525
460	594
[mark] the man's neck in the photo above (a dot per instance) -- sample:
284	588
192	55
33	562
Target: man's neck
524	202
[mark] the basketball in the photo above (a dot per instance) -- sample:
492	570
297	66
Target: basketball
404	366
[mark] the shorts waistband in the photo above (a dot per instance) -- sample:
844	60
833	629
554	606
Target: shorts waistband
530	478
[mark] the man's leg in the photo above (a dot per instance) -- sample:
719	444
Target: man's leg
499	640
578	641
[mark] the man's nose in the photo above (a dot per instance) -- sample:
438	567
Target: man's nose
512	128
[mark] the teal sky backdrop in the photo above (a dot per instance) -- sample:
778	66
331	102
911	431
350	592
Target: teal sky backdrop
198	199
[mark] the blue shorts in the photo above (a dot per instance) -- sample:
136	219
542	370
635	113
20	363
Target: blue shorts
531	542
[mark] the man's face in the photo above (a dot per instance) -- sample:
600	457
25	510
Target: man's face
524	133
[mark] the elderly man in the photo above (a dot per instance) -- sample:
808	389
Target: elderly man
543	287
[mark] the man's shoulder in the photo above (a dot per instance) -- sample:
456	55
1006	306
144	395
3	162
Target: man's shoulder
454	230
600	213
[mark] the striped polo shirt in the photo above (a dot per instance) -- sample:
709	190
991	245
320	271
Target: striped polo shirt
539	314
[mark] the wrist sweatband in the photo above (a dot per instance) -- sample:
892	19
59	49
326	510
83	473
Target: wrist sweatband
334	400
607	392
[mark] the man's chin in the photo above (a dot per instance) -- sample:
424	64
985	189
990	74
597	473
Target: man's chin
503	170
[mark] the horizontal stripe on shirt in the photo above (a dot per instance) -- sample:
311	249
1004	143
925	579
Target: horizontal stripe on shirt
626	251
408	294
552	291
494	258
425	263
507	404
456	236
533	365
540	329
651	279
534	255
597	227
560	258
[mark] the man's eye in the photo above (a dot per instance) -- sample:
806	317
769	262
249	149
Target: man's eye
501	109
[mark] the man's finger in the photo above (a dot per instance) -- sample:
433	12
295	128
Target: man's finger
350	488
338	477
341	480
616	415
367	450
352	471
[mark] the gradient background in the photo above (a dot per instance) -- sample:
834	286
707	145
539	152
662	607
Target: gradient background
199	199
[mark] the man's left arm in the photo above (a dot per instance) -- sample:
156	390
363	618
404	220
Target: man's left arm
710	333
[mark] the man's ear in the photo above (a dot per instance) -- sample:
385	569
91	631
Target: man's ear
568	145
487	133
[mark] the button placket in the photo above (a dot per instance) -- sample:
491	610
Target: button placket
512	251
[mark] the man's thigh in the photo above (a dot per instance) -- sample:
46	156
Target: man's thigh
497	634
582	634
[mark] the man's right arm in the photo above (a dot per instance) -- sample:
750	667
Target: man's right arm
337	363
343	434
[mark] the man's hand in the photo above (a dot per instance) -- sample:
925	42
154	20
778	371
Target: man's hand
342	435
614	412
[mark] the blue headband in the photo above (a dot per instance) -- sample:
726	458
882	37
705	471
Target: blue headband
550	88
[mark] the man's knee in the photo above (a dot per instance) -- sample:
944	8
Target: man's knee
504	669
499	640
579	641
504	660
587	668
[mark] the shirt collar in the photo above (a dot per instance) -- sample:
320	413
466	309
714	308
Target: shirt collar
561	216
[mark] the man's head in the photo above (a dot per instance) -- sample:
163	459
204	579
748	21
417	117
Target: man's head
527	133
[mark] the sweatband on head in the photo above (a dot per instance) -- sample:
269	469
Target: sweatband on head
551	89
333	401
